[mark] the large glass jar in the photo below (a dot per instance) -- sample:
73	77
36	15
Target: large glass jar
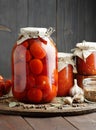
34	66
65	73
86	58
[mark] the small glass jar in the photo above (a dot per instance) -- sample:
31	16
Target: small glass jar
89	86
65	73
86	58
34	66
80	78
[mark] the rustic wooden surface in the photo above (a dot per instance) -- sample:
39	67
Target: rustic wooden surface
81	122
55	108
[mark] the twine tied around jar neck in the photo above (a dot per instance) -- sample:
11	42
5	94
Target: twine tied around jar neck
32	32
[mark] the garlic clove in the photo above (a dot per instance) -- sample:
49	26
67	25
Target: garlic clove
68	100
76	89
78	98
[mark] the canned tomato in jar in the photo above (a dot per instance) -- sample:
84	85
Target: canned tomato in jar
34	66
65	73
85	53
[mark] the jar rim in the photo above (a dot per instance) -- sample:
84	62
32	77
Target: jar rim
33	29
62	54
84	45
87	80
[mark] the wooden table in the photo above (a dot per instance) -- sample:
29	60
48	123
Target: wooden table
80	122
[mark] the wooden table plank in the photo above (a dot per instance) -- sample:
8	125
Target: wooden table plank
83	122
52	123
13	123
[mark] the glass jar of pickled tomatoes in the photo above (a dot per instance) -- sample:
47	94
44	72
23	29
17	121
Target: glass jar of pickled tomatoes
85	53
34	66
65	73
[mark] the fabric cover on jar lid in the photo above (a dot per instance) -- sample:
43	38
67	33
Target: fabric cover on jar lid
64	59
33	32
84	49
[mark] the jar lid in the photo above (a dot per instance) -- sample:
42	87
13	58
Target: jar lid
33	32
62	54
84	49
86	45
64	59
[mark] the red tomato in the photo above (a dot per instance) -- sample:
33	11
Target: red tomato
34	95
2	85
42	82
20	96
25	44
87	67
65	80
37	51
28	56
27	69
30	82
7	87
52	94
36	66
1	93
45	66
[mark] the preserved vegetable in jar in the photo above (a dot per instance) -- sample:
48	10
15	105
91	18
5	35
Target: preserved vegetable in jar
86	58
65	73
34	66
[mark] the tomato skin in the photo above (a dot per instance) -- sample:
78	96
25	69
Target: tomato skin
25	44
28	56
42	82
30	82
87	67
36	66
8	85
20	96
37	51
34	95
65	80
51	94
5	86
2	87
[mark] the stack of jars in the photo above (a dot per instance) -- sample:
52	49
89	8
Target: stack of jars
85	54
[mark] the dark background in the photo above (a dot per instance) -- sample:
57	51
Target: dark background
73	20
